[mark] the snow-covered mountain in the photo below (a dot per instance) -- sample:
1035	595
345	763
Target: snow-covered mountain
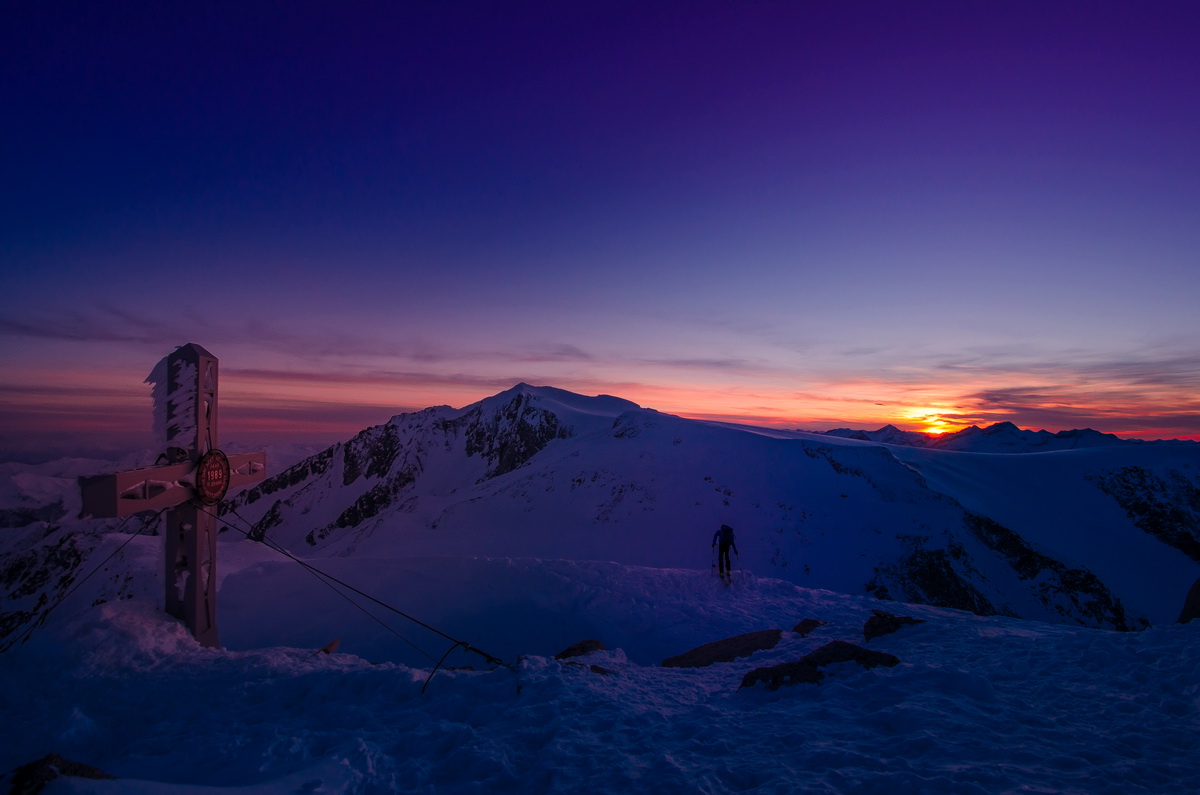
1102	536
1002	437
537	518
1106	536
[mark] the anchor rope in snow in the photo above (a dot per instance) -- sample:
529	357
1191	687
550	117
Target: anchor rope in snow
491	659
429	678
40	618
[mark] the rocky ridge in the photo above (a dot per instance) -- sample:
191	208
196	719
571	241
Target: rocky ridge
540	472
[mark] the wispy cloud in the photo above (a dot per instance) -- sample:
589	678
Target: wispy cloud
299	367
372	378
111	324
105	325
1158	390
561	352
716	364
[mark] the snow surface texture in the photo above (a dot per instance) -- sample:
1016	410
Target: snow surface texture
1106	536
537	519
975	706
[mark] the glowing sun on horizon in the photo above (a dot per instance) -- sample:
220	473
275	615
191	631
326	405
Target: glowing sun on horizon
931	419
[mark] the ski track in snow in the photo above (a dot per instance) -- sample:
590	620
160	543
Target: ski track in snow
975	706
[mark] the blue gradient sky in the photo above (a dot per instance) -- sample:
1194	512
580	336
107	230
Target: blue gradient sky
801	214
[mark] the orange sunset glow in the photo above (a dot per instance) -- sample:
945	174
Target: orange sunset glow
112	406
744	214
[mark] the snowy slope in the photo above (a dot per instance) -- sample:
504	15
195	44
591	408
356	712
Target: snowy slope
974	706
542	473
538	518
1106	537
1064	505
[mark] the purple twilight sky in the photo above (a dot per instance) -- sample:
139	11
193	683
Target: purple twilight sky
803	214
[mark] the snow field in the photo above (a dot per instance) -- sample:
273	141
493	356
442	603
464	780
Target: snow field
605	535
976	705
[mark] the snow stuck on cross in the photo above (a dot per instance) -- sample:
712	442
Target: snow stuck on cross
189	482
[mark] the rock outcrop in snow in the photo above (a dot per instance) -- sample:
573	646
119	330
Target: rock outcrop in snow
1191	605
1101	537
882	623
807	670
32	778
726	650
1164	506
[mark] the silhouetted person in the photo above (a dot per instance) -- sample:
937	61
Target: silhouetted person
724	537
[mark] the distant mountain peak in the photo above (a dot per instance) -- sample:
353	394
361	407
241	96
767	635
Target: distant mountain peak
561	401
1000	437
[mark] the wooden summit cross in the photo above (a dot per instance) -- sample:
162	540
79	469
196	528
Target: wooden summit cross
190	485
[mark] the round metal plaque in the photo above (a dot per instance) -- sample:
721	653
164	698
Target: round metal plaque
212	477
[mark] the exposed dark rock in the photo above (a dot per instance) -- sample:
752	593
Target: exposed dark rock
726	650
1191	605
370	504
839	651
1166	508
941	572
298	473
371	453
808	668
580	649
512	435
272	518
627	426
808	625
1069	592
932	576
43	572
789	673
22	517
838	466
376	499
885	623
32	778
392	456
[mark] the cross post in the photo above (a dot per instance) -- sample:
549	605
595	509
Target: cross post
189	484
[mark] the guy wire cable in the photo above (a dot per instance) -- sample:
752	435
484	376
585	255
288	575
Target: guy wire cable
490	658
326	580
40	619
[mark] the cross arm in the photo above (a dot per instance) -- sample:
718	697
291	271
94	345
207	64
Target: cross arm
154	488
246	469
